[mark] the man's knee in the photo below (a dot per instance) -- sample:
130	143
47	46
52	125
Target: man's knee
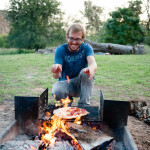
82	74
58	91
85	77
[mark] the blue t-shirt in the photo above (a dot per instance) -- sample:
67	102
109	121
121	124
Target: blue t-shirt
72	62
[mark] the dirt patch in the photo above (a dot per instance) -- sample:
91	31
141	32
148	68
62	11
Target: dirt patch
7	114
139	130
38	90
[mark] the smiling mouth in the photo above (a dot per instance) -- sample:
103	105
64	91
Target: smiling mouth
73	47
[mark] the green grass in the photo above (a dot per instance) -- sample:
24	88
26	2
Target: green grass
127	75
21	74
120	77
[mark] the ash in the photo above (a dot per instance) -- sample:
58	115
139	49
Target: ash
24	142
62	145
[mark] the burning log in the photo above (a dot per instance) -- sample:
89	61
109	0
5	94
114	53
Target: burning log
78	130
63	142
56	129
90	138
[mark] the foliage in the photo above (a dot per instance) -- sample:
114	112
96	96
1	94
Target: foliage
56	32
123	28
4	41
30	19
12	51
147	39
147	49
93	14
135	7
99	37
147	7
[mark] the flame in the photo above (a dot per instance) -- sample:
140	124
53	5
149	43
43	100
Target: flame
66	101
94	128
58	103
33	148
47	115
68	79
77	120
50	128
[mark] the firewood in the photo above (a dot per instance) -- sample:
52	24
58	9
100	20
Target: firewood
140	110
136	106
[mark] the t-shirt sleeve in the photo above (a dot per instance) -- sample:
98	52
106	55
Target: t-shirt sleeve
58	56
89	50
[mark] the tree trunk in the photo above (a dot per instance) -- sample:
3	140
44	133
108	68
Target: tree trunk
116	48
36	48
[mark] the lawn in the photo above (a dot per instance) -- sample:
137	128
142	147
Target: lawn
121	77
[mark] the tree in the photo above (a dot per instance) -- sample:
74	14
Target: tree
56	31
92	13
135	7
147	9
123	28
30	20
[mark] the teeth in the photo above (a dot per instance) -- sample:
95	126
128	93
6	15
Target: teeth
74	46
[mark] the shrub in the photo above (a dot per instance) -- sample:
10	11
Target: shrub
147	39
4	41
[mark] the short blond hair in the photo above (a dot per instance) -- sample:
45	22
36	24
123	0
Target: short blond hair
76	27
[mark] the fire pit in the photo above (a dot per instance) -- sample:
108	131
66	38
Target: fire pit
103	128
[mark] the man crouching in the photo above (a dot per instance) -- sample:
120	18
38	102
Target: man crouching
74	59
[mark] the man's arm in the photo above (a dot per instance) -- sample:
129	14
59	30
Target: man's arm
92	67
56	70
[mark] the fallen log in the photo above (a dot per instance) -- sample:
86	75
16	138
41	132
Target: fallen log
116	48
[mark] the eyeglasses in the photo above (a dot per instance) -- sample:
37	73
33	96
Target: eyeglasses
78	40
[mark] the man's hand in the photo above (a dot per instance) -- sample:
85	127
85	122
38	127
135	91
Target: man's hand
56	68
90	72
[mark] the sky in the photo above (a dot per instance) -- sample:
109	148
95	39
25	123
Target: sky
72	7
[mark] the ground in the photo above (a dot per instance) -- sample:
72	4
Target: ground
139	130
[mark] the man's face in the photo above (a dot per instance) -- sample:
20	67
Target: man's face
74	40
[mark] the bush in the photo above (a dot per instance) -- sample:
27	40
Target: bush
4	41
147	49
13	51
147	40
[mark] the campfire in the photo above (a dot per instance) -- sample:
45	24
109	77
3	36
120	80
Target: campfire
39	126
56	129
